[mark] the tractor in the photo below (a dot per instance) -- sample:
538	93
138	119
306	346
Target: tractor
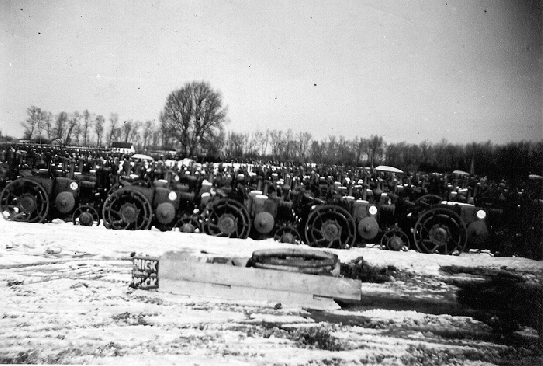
224	207
447	227
138	204
39	197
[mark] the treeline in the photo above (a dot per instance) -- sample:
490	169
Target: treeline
511	161
87	129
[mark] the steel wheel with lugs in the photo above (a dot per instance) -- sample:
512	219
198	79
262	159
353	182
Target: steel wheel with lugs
24	200
127	209
331	227
440	230
226	218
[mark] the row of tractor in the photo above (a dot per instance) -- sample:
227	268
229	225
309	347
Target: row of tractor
333	207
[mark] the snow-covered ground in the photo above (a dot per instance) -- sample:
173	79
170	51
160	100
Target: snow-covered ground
66	299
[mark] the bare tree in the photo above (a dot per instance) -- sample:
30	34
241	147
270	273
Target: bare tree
157	135
165	135
73	124
264	140
99	129
48	124
234	144
126	129
85	126
317	151
345	154
148	129
60	127
331	150
252	143
76	130
38	123
257	138
194	116
375	148
32	122
277	143
289	145
113	121
360	146
304	140
134	134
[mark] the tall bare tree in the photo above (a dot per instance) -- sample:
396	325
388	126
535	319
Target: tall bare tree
73	124
148	129
60	126
48	124
99	129
317	151
252	142
32	123
157	135
113	121
277	143
304	141
289	145
134	135
264	141
234	144
126	129
85	126
360	148
375	149
194	115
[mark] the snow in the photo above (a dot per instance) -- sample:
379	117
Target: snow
66	300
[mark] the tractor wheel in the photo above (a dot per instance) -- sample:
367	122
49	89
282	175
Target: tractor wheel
440	230
227	218
331	227
394	239
24	200
188	224
287	234
86	216
127	209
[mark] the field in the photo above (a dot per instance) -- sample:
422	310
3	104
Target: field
66	299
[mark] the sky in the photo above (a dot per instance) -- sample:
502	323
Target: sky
413	71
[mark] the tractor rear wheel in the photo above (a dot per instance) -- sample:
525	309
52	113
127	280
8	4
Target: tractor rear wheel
227	218
24	200
330	226
440	230
127	209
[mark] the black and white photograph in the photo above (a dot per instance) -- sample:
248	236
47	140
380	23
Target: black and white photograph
272	183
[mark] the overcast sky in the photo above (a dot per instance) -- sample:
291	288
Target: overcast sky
407	70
